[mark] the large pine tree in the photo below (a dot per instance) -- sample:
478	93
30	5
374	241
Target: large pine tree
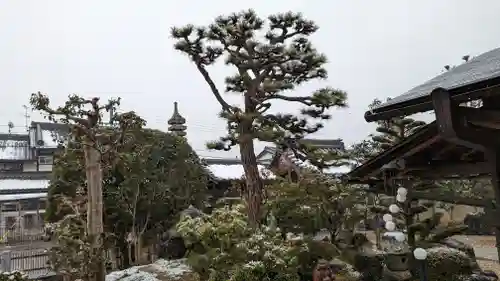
269	60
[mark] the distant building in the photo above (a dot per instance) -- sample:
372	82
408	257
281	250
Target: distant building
25	167
273	161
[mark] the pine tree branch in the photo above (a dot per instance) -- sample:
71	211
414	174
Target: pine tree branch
201	56
304	100
213	87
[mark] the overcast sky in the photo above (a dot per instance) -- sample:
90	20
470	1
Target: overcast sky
122	48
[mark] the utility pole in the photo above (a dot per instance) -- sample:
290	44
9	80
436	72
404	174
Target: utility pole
26	117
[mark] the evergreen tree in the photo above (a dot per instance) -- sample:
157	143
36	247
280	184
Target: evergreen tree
362	151
267	68
391	132
150	178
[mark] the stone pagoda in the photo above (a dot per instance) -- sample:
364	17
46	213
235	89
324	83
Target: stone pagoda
177	122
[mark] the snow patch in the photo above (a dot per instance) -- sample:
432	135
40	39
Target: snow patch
131	274
173	268
446	251
158	271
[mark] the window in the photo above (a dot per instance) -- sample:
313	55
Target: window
10	222
11	167
45	160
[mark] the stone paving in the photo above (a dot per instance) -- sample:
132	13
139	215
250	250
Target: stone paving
484	246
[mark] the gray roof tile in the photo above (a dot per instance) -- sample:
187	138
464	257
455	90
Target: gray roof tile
483	67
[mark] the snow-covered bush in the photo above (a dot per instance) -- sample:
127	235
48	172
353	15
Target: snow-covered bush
224	247
164	270
13	276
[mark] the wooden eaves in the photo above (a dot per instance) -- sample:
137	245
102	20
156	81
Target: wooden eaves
425	155
424	158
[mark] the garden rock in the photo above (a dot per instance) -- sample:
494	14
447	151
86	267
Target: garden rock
444	264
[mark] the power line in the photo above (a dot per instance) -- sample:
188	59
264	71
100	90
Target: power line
192	125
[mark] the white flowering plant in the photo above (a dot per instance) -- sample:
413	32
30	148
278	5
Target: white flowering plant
224	247
13	276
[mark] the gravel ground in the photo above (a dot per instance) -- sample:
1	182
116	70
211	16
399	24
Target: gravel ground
490	265
485	249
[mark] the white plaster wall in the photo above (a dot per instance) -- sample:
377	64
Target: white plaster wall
45	168
29	167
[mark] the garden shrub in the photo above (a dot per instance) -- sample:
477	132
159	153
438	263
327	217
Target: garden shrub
317	250
222	246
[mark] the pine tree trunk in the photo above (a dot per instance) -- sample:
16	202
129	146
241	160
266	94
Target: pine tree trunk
95	226
254	185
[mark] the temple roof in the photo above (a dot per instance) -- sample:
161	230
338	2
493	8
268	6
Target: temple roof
468	81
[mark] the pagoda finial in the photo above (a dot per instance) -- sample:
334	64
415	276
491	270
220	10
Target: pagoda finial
177	122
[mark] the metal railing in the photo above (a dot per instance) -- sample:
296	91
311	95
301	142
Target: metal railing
33	262
15	235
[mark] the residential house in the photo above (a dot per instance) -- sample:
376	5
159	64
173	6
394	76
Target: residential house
25	167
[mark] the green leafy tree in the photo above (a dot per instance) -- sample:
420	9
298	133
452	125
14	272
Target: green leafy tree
270	59
157	176
72	255
84	117
149	179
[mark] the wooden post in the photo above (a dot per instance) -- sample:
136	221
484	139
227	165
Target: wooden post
408	213
492	155
20	221
494	159
3	223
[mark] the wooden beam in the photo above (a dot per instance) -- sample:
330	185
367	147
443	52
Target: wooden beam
494	161
445	150
448	124
449	197
480	117
442	196
458	128
442	109
420	146
466	155
449	170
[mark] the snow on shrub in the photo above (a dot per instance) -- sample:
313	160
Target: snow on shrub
224	247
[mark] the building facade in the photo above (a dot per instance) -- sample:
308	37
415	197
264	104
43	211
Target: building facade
25	167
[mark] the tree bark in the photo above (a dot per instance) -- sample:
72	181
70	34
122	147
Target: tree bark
95	225
254	184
